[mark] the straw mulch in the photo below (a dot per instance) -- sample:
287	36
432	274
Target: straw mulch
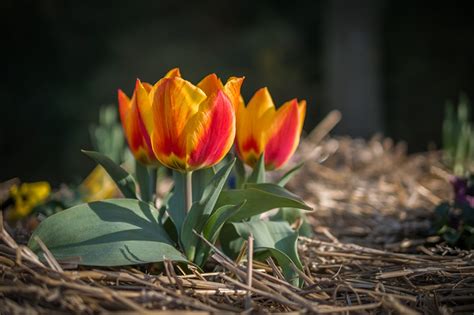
372	251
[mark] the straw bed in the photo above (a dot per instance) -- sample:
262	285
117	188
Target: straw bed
372	252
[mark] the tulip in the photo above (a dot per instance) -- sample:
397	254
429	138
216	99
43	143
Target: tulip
132	122
191	126
183	126
263	129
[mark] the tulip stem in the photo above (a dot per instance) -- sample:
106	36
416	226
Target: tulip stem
188	189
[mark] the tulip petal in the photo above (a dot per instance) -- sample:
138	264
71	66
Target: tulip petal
210	132
302	113
210	84
284	135
232	90
142	91
253	123
124	106
175	102
173	73
134	127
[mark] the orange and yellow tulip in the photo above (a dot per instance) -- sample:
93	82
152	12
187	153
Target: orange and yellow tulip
189	126
263	129
136	134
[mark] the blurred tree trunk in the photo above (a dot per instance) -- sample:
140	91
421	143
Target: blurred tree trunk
352	64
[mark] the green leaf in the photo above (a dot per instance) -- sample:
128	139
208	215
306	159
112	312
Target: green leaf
113	232
176	204
258	173
146	178
240	173
288	175
213	227
260	198
278	239
201	179
121	177
231	242
200	211
291	215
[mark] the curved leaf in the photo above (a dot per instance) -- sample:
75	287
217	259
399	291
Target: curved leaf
279	239
212	228
288	175
258	174
124	181
113	232
260	198
200	211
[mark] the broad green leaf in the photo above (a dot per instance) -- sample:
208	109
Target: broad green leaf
113	232
279	239
213	227
260	198
258	173
200	211
176	204
121	177
288	175
146	178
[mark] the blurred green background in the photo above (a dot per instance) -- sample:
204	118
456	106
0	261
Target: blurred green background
389	66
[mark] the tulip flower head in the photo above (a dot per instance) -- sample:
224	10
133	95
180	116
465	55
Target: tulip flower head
263	129
184	126
134	129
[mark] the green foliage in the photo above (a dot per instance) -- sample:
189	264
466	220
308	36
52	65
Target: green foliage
260	198
176	207
125	182
107	136
114	232
213	227
258	174
202	210
240	174
455	224
131	231
146	177
458	137
289	175
294	216
275	239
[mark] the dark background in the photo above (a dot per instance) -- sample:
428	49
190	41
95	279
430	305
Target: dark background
389	66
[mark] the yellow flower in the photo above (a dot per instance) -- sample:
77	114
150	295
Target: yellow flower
27	196
98	185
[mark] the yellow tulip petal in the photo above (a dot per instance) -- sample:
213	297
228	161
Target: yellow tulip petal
253	123
210	84
232	90
173	73
142	91
175	102
302	113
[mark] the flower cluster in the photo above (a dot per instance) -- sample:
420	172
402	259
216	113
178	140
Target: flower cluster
188	127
